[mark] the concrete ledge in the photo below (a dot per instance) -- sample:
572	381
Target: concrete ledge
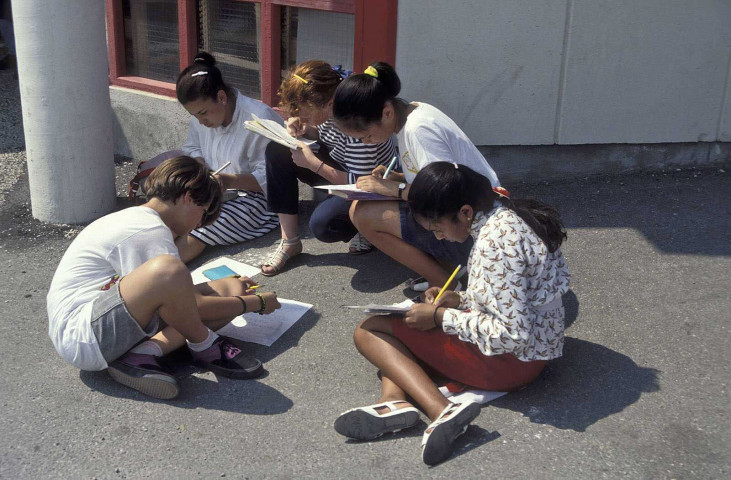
554	162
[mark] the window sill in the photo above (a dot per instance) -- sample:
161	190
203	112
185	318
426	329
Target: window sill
145	84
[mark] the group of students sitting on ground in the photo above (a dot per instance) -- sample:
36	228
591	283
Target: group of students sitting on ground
122	297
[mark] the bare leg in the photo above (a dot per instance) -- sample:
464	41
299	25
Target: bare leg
189	247
401	373
380	223
289	223
163	284
216	308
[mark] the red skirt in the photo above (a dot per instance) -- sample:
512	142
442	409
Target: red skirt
463	362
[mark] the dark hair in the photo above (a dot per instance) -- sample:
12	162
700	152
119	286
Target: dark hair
179	175
359	99
321	81
441	189
190	87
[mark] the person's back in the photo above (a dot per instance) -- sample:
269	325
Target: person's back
107	249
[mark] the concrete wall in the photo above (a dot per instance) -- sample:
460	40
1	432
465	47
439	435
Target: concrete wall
532	72
146	124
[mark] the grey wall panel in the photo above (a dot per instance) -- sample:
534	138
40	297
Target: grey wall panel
492	65
645	71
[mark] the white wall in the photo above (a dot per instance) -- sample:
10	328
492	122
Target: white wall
531	72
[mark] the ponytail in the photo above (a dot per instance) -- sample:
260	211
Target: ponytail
201	79
360	98
441	189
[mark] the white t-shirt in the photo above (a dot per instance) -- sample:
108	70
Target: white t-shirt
112	245
430	136
233	143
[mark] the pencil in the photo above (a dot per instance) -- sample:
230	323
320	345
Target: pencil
220	169
390	167
253	287
444	288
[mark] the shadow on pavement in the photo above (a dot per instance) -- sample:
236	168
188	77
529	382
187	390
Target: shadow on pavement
237	396
678	211
589	383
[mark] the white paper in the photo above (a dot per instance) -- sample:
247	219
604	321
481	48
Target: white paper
478	396
349	187
266	329
274	131
241	268
376	309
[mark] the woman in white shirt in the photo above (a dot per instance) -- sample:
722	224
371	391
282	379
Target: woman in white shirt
496	335
217	135
366	107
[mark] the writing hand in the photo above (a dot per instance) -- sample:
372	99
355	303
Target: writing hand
272	303
295	127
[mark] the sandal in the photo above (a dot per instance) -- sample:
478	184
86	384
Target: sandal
365	423
436	445
279	258
359	245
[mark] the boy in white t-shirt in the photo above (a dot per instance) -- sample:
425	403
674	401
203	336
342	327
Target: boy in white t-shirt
123	273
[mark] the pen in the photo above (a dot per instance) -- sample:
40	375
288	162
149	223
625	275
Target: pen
390	167
454	274
254	287
219	170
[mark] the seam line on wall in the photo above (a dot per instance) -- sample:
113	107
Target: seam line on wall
564	67
724	99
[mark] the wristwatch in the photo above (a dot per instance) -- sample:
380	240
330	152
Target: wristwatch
401	188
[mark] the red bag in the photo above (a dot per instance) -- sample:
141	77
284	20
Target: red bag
136	188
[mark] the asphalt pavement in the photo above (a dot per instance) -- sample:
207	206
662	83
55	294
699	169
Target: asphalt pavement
641	391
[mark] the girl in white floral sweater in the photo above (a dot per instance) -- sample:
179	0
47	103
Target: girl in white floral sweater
496	335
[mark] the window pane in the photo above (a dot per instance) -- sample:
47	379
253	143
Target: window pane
317	35
229	30
151	39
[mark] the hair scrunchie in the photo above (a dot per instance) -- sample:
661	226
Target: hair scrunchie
371	71
342	72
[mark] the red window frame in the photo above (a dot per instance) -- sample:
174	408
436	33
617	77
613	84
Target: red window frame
375	39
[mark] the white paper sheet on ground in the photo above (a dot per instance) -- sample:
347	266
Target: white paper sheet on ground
238	267
266	329
479	396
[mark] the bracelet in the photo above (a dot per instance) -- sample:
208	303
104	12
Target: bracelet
435	316
321	164
263	304
244	304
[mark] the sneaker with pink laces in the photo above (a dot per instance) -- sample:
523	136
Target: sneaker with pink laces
225	358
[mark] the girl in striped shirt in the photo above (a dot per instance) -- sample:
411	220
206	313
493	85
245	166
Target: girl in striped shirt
307	96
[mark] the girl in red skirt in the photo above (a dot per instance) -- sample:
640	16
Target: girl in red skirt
496	335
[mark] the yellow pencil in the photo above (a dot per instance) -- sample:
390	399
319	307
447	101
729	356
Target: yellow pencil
454	274
253	287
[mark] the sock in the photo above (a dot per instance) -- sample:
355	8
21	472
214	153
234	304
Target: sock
148	348
199	347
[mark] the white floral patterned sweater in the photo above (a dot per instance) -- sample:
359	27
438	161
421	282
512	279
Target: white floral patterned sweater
513	302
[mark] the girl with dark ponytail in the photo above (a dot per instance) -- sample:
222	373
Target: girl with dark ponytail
367	107
217	135
497	335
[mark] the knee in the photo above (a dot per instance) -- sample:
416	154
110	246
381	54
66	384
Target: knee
276	154
364	331
357	214
168	270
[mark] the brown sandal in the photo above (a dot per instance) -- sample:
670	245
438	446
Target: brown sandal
279	258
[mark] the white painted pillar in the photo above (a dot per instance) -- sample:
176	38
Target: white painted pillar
67	114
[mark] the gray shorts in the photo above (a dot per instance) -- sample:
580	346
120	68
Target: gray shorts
115	329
